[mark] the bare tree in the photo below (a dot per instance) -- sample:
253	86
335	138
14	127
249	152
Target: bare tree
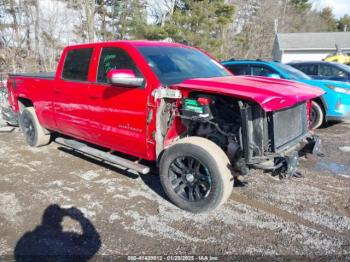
162	10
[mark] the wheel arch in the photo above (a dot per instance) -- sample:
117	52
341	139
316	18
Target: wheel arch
24	103
322	102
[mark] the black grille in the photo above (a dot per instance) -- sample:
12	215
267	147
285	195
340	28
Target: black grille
289	125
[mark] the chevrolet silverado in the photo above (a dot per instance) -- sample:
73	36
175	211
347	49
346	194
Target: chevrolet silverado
127	101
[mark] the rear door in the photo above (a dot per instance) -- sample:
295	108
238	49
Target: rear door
70	93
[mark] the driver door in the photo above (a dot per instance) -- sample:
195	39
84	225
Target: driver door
118	112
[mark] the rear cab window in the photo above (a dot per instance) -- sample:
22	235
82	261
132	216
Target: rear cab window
77	64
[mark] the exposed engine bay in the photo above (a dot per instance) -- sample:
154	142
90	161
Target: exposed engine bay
217	119
251	137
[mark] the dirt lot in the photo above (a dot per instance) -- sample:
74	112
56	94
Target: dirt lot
118	212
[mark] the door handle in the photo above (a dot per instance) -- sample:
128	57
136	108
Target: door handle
91	94
57	92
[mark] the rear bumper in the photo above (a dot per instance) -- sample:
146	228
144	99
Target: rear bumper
9	116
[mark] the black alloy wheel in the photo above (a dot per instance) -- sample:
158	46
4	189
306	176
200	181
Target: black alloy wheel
28	129
190	178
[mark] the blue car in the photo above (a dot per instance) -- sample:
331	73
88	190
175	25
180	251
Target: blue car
324	70
334	105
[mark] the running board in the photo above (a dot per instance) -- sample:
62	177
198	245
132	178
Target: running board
81	147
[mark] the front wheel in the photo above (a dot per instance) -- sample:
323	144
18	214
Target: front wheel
195	174
317	115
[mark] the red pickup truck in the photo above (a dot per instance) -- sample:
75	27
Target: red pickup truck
168	103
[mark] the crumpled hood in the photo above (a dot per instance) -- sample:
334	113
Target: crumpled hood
271	94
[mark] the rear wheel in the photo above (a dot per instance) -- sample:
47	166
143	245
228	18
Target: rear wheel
33	132
317	115
195	174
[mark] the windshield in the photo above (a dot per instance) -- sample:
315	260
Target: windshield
344	67
173	65
293	73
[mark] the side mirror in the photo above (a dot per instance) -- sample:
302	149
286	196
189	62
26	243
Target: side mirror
274	76
124	77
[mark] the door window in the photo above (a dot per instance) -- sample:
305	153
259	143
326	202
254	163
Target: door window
329	71
77	64
262	71
114	58
309	69
239	69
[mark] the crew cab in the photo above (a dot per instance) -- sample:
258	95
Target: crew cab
168	103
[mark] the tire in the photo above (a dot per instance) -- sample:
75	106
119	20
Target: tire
198	170
33	132
317	115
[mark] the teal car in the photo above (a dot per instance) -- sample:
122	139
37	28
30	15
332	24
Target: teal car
334	105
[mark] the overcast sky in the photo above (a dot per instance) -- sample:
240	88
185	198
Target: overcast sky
340	7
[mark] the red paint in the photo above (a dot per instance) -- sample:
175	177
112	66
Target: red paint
308	108
116	117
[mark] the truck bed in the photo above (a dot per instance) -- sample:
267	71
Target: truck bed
44	75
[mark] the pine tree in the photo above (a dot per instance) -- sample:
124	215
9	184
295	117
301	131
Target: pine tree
329	19
301	5
344	23
199	23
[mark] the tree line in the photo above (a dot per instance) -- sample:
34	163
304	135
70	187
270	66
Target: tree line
33	32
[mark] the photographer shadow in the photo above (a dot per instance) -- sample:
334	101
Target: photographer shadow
48	241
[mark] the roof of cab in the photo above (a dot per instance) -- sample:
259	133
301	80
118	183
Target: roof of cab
135	43
311	62
245	61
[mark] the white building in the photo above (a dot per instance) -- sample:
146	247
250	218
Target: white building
308	46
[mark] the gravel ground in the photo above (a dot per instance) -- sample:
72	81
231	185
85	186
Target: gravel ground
55	200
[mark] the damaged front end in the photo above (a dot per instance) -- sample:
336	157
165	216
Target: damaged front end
275	140
251	137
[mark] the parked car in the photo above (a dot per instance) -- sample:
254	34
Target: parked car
334	105
171	104
324	70
339	56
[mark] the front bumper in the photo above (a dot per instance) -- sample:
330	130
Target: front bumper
339	108
311	144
